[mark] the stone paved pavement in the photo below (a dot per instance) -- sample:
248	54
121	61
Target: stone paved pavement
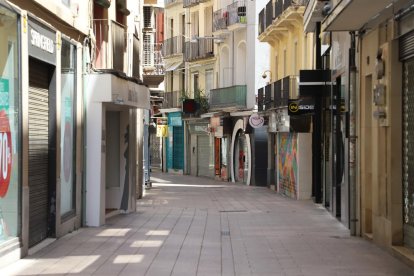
195	226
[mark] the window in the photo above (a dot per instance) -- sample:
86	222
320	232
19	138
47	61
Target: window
68	128
209	82
9	127
195	85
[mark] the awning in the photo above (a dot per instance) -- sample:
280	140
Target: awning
171	66
108	88
352	15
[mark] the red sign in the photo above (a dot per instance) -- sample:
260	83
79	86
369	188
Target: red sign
5	153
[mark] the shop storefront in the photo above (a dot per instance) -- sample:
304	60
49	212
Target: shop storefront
175	143
201	149
10	133
68	132
220	131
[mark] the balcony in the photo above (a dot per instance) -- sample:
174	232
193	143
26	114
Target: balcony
200	49
110	45
237	15
231	98
277	18
172	99
168	3
220	21
173	46
190	3
153	64
262	21
277	94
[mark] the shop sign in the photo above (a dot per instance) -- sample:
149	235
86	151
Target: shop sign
300	107
162	131
176	121
256	121
219	132
201	128
5	153
41	42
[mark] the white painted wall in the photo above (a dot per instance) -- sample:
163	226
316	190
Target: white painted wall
76	15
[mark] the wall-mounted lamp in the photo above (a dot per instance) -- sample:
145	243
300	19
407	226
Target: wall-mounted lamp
266	74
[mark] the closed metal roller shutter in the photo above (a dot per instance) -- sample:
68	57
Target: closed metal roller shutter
408	152
407	46
178	148
203	156
38	152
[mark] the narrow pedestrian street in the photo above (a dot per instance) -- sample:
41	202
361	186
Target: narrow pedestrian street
196	226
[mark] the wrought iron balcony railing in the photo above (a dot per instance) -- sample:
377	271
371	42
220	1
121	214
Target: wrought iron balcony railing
169	2
278	93
110	45
153	62
269	14
237	12
173	46
228	97
190	3
220	20
262	21
200	49
274	10
172	99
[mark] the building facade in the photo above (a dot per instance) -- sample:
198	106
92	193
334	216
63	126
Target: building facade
289	130
62	89
368	59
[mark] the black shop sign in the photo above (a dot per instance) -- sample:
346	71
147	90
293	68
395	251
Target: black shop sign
301	107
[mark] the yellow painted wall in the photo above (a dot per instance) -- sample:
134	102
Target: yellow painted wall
380	177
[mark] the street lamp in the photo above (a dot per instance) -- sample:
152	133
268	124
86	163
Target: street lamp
266	74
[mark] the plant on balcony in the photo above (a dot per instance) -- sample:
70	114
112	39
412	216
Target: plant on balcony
200	98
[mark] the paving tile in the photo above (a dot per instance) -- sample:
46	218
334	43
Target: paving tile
213	228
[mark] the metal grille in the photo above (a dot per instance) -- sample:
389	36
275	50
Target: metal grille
147	17
203	156
38	153
408	152
178	147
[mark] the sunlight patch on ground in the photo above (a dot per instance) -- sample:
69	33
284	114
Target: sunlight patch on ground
114	232
128	259
156	179
80	263
158	233
141	243
18	267
68	264
187	185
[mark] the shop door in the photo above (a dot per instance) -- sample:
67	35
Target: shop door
203	156
408	152
242	165
40	153
155	148
339	149
178	148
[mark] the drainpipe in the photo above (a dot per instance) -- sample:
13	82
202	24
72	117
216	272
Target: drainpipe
85	62
352	133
